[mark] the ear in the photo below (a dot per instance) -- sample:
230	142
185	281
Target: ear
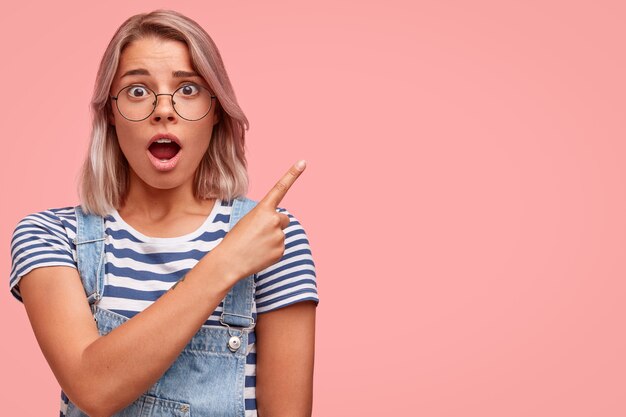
110	115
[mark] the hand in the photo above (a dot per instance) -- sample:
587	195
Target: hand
257	241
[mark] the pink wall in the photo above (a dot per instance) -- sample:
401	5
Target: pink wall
464	196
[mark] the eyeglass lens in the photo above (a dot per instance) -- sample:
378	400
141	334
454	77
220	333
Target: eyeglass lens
191	102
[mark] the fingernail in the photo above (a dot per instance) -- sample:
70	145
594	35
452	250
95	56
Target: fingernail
300	165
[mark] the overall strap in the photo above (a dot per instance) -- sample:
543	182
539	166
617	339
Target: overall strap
89	243
238	303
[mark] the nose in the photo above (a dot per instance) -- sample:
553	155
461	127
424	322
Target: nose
164	108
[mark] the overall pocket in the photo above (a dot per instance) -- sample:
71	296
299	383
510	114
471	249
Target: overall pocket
146	405
158	407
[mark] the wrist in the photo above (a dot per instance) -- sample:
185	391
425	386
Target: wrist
223	273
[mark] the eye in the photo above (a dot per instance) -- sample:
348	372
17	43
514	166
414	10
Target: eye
137	91
189	90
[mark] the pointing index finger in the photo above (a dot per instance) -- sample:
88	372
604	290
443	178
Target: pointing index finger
278	191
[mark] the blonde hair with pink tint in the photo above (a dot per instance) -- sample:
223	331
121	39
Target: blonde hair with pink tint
222	172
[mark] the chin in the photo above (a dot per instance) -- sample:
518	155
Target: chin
167	181
166	185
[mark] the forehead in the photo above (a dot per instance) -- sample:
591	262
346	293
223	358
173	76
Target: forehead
158	56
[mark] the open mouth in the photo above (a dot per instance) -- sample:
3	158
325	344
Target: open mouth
164	149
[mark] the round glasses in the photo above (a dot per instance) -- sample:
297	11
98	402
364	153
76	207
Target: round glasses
137	102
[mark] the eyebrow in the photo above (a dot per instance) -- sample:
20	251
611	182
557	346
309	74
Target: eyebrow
175	74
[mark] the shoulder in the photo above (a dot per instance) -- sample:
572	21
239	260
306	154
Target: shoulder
246	204
293	278
293	221
55	221
40	239
294	232
241	204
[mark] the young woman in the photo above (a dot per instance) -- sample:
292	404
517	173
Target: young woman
167	292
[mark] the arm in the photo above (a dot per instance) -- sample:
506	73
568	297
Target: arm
285	354
101	375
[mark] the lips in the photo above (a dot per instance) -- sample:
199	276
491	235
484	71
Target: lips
164	151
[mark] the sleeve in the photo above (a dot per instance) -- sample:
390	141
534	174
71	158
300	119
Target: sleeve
292	279
39	240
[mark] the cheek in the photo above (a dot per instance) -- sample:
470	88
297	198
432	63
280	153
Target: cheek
125	139
203	138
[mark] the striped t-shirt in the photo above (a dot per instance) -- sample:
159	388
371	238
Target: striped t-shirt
139	269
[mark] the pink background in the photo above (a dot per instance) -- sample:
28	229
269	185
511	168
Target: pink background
465	195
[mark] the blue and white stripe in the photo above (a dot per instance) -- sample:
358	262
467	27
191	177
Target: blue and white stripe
139	269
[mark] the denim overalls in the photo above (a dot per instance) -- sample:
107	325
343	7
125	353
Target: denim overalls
208	377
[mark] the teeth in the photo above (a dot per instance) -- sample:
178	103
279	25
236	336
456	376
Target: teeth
163	140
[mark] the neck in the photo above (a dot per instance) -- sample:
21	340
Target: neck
153	203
